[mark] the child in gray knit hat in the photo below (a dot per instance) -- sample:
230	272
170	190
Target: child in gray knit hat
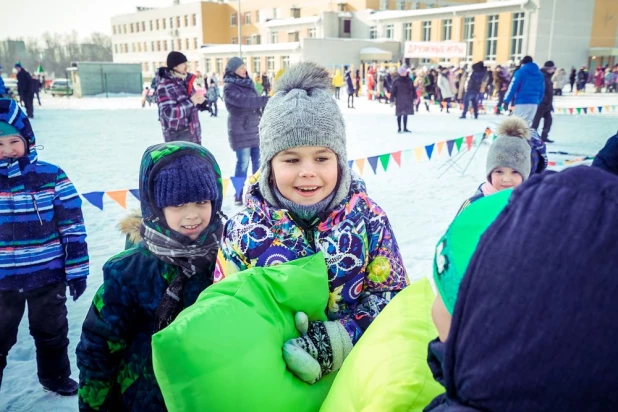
307	200
508	161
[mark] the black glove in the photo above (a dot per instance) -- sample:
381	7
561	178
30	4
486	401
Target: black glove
77	287
206	106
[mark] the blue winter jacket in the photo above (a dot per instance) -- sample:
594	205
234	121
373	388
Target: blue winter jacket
2	87
527	86
42	232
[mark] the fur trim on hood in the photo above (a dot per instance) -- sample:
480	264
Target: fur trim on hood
130	226
514	126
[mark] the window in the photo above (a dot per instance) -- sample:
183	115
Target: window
187	44
447	30
194	20
400	5
246	40
219	65
248	17
311	33
517	40
139	47
285	62
158	45
115	48
426	31
177	22
293	36
347	26
172	23
113	29
233	19
258	16
143	26
274	37
295	12
468	35
384	4
425	60
257	39
256	65
234	40
207	66
151	25
195	44
125	29
492	37
389	31
373	32
277	13
131	26
163	22
270	63
157	24
132	47
186	21
165	45
407	31
152	47
178	44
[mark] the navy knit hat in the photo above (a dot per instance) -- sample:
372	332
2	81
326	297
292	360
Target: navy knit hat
233	64
174	59
185	179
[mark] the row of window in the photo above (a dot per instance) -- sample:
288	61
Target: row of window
156	24
192	66
517	34
217	65
159	45
274	37
247	16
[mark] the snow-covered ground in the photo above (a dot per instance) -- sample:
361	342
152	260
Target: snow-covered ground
99	143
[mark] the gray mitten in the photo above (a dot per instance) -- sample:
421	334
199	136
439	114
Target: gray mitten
321	348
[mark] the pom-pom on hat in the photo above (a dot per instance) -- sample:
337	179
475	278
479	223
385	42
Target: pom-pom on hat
511	148
302	112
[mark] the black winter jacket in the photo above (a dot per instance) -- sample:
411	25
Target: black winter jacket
244	107
24	83
403	94
548	97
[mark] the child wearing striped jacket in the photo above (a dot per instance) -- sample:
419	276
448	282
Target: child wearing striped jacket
42	250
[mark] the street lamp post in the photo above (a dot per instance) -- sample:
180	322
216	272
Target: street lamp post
239	30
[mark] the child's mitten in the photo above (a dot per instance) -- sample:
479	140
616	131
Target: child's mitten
319	350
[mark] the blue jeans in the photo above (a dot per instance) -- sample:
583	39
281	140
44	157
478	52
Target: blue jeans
470	97
242	162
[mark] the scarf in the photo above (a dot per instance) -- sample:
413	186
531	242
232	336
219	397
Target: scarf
488	189
189	258
305	212
241	81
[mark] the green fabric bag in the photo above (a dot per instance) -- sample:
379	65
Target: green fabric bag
224	353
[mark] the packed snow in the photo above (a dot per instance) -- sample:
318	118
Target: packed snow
99	142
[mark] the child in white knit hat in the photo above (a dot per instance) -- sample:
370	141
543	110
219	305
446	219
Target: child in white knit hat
508	161
307	200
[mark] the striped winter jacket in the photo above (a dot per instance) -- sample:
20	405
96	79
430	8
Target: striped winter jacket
42	232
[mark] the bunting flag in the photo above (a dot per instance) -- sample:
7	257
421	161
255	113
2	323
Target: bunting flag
397	157
95	198
579	110
591	110
135	193
600	108
585	110
407	155
571	110
419	154
119	196
350	163
487	132
373	162
449	145
238	183
429	150
384	159
469	141
225	183
440	146
458	143
360	164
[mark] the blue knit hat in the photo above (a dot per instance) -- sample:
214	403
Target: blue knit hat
185	179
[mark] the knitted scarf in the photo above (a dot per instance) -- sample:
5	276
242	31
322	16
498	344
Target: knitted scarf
305	212
241	81
189	258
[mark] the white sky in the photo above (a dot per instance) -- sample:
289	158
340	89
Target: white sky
31	18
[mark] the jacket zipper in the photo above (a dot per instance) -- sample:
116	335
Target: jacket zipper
36	209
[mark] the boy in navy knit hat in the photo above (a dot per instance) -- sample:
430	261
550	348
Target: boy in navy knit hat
146	286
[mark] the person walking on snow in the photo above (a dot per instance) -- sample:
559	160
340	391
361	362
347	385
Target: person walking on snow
526	90
572	78
473	88
24	87
178	102
546	106
403	94
338	83
446	89
213	96
44	250
350	87
244	108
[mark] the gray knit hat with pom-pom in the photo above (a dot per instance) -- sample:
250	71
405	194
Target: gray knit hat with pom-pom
302	112
511	148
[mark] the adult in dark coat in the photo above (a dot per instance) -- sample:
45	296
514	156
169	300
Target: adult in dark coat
607	159
545	108
349	86
572	77
36	88
244	107
403	93
473	88
24	87
266	84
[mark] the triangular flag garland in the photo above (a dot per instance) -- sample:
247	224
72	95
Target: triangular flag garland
579	110
120	196
585	110
373	162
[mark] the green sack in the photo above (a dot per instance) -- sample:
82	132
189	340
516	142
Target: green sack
224	353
